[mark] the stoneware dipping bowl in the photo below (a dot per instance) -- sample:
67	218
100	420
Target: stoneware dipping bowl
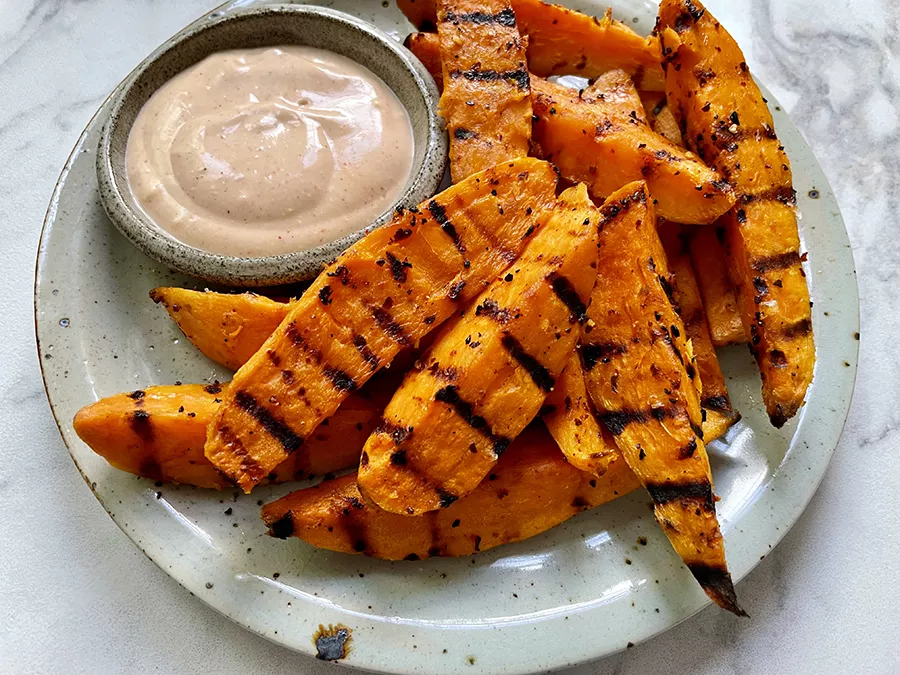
260	27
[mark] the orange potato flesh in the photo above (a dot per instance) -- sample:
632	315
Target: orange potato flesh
569	417
718	415
530	490
227	328
660	116
488	372
486	98
382	295
427	48
707	250
592	142
565	42
639	372
727	122
159	433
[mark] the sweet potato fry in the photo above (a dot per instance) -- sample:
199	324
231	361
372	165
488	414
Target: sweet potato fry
728	123
382	295
618	94
565	42
708	258
531	489
660	116
590	141
159	433
638	372
427	48
486	97
718	415
569	417
227	328
487	373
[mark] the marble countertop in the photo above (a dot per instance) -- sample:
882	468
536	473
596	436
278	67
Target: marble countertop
78	596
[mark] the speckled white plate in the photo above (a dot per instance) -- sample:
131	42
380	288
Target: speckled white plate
578	592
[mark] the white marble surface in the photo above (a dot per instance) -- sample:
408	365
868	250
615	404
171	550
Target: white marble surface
78	596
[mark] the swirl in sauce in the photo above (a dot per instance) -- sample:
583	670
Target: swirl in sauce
259	152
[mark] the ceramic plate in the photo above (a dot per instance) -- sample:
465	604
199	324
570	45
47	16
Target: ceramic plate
575	593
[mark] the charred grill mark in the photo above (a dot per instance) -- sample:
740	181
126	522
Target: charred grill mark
150	468
603	352
367	354
397	433
450	396
248	465
137	395
394	330
539	374
462	134
492	310
141	425
455	289
505	17
716	581
283	527
398	457
687	450
445	498
293	334
798	329
276	428
398	267
667	289
325	295
784	194
448	373
214	388
693	491
778	358
779	261
716	403
341	380
569	297
518	77
616	421
439	213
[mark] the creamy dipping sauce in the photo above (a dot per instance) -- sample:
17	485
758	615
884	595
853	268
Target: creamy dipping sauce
257	152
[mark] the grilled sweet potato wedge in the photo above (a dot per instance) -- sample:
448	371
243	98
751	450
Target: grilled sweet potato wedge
707	245
427	48
565	42
486	97
718	415
382	295
660	116
618	94
591	141
227	328
159	433
487	373
728	123
569	417
638	372
531	489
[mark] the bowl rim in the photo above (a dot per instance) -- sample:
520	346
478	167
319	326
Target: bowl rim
130	219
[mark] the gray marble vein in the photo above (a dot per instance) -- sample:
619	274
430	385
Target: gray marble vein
78	597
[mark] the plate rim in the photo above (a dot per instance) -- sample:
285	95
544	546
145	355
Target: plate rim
793	513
